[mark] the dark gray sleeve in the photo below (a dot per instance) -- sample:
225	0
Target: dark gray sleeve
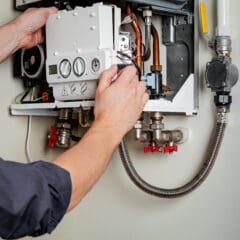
33	198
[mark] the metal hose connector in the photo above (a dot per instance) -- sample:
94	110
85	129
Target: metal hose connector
199	178
147	15
147	52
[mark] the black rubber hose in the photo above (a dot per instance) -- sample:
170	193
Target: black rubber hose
185	189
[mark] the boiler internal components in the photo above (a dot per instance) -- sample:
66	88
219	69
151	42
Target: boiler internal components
221	76
150	130
60	134
83	41
77	55
29	65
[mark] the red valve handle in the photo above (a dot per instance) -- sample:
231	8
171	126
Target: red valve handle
45	97
149	149
53	137
170	149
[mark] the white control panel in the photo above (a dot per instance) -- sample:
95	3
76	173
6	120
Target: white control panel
81	44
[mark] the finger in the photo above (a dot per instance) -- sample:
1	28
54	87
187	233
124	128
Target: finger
30	10
45	13
145	99
123	69
42	36
38	37
127	75
107	77
134	82
141	88
52	10
133	86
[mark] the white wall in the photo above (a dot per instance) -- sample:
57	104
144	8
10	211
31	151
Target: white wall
115	208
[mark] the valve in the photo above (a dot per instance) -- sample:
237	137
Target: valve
152	149
170	149
53	137
45	96
61	134
167	149
150	129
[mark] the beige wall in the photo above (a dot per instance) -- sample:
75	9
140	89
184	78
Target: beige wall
115	208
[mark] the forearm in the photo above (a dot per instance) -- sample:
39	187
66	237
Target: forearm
9	42
87	161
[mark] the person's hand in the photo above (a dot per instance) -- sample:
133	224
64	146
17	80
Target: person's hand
120	104
29	26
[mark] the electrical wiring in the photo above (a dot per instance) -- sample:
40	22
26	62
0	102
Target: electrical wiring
29	127
127	59
19	99
133	61
27	143
20	96
40	98
32	100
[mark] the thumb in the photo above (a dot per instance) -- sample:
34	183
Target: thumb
52	10
107	77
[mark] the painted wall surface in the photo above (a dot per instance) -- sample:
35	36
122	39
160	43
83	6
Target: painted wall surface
115	208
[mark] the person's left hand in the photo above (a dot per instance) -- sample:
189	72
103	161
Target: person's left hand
29	26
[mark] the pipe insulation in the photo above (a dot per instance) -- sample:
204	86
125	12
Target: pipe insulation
223	17
199	178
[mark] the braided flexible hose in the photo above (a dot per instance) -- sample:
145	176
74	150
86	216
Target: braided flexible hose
199	178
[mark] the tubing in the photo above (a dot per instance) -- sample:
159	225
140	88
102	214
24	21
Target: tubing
223	13
199	178
138	34
156	48
147	15
147	52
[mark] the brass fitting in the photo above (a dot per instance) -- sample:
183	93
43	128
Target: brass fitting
156	68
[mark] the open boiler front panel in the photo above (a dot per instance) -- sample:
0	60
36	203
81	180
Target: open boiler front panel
160	38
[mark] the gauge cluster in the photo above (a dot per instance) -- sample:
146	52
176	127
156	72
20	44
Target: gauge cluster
81	71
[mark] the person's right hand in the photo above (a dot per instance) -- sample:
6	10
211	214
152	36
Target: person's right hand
29	26
120	104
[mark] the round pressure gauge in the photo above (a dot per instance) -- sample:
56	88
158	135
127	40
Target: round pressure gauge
65	68
96	65
79	67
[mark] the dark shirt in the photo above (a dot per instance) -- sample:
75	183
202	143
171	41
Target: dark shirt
33	198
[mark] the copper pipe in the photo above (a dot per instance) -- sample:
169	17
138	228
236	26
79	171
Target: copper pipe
138	34
156	51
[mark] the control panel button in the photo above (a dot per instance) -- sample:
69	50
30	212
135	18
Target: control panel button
79	67
65	68
96	65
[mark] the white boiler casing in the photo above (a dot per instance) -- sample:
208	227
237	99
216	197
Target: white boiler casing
81	44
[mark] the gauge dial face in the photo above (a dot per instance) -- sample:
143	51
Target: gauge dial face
79	67
96	65
65	68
